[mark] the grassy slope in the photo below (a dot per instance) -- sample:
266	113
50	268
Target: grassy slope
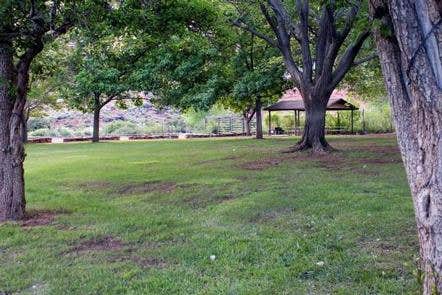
268	227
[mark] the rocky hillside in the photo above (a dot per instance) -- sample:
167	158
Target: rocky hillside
146	114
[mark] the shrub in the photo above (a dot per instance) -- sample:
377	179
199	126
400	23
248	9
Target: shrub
45	132
35	123
378	118
42	132
154	128
63	132
122	128
276	121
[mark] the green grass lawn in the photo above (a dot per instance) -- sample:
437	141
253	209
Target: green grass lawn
145	217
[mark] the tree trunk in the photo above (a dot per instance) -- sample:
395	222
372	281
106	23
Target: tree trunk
410	55
258	106
96	127
25	131
12	194
96	123
247	121
313	136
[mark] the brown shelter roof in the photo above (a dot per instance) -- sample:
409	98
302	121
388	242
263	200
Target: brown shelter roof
292	101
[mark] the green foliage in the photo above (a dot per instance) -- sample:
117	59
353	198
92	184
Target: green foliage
47	132
258	73
35	123
275	120
378	117
288	122
47	78
122	128
366	81
186	68
42	132
22	21
100	72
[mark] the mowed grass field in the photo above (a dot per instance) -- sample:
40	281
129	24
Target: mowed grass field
145	217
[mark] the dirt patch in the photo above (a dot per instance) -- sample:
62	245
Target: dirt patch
96	185
41	217
377	247
149	262
130	188
106	243
366	147
337	160
262	164
332	161
270	215
147	187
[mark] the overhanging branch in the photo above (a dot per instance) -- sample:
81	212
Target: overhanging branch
255	32
348	58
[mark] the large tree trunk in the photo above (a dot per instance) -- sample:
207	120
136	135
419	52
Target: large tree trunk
96	127
12	195
410	55
25	132
313	136
258	112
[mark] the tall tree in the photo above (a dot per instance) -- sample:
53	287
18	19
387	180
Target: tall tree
409	40
325	50
101	72
257	78
25	28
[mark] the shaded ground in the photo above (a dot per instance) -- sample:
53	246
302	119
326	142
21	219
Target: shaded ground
349	156
41	217
130	188
106	243
146	218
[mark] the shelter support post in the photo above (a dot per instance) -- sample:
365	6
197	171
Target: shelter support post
352	121
270	122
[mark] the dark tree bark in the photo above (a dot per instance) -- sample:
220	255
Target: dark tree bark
26	113
258	113
313	136
98	105
410	49
13	89
12	203
96	123
330	59
96	127
25	130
